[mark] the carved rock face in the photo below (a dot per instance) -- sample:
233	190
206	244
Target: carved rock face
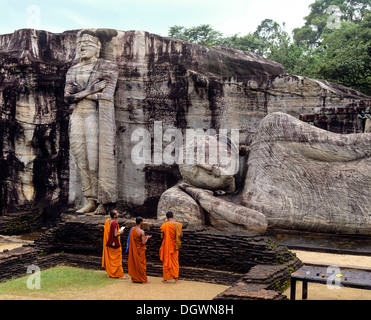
213	164
90	89
182	85
88	47
304	178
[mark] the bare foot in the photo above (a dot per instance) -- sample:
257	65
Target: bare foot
100	210
124	278
164	281
90	207
147	282
177	281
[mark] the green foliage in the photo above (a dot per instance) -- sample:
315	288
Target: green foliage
325	12
334	44
345	55
248	42
203	34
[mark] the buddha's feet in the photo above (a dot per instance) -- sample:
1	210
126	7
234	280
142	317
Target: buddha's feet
89	208
100	210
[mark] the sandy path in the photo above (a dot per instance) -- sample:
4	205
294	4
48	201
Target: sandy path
9	246
322	292
126	290
156	290
334	259
190	290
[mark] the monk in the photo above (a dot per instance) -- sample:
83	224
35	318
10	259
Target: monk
112	251
137	253
169	251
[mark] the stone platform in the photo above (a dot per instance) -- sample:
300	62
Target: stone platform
322	242
253	265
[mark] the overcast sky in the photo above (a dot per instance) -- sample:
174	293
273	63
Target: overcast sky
155	16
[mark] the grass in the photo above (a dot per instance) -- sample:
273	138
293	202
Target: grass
57	280
69	283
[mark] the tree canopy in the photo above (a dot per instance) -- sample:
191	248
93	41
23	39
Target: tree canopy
326	15
334	43
203	34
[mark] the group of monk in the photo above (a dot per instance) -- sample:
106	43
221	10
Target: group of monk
171	232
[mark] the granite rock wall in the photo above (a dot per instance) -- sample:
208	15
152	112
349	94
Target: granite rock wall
304	178
179	84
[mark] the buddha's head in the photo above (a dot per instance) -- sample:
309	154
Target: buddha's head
216	170
88	45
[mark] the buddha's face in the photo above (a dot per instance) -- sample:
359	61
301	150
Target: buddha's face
214	176
88	47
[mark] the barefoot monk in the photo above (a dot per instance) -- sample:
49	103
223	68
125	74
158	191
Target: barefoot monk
137	253
112	250
169	251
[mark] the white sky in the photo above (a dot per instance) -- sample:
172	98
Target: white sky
155	16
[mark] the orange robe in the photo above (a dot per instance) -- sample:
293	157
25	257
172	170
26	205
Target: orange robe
112	257
168	253
137	257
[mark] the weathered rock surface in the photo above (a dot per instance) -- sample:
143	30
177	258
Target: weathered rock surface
305	178
182	85
187	210
223	214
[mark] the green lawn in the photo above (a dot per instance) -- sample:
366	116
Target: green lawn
57	280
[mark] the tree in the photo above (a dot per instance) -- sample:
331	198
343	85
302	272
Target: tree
327	14
203	34
248	42
334	44
345	55
270	32
336	41
277	44
269	40
206	35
